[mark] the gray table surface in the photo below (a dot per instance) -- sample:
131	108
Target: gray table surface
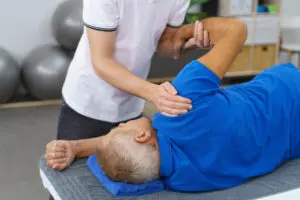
78	183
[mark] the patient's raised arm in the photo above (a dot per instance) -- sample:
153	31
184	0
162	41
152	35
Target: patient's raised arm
228	35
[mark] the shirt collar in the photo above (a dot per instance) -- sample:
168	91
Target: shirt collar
166	160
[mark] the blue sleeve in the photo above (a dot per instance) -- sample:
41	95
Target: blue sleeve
195	80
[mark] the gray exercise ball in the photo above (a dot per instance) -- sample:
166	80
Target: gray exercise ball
9	75
44	71
67	24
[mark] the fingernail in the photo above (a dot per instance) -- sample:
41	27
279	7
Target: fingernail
190	107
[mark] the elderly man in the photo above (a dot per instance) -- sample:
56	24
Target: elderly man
232	134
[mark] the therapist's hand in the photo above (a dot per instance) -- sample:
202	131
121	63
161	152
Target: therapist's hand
59	154
200	39
167	101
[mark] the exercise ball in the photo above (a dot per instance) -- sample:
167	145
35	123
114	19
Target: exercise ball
44	71
67	24
9	75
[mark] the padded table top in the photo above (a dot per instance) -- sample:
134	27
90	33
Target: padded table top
78	183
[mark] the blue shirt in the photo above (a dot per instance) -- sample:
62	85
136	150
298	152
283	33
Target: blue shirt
232	133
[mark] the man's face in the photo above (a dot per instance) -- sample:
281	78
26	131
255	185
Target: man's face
141	129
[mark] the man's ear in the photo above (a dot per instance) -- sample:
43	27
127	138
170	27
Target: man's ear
143	137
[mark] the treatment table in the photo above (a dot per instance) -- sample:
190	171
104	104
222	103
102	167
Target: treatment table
78	183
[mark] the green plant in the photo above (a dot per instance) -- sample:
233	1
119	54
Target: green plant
193	17
194	2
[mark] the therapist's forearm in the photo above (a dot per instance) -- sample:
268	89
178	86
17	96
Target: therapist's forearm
120	77
166	48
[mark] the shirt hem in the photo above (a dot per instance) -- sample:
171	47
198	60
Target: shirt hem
173	26
79	110
100	28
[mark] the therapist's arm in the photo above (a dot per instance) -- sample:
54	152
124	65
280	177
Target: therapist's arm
228	35
165	46
102	47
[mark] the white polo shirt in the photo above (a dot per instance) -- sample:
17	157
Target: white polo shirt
139	25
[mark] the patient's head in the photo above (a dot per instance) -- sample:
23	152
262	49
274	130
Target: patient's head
128	154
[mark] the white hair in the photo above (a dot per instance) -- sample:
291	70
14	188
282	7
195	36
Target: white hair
129	161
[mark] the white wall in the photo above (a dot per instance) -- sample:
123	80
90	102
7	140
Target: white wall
290	15
25	24
290	7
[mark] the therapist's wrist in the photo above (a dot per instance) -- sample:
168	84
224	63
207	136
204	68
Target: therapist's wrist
186	31
150	92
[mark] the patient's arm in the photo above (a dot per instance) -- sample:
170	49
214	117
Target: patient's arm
61	153
86	147
228	36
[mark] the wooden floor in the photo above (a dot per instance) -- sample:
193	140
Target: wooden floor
29	104
148	111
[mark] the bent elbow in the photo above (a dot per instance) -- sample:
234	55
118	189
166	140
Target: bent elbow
241	28
99	66
244	31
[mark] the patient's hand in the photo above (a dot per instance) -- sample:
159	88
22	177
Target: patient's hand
59	154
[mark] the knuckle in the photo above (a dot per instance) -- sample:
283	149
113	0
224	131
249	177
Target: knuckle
49	162
49	145
167	98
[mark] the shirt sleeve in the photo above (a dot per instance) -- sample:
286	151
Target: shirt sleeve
178	13
102	15
195	80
